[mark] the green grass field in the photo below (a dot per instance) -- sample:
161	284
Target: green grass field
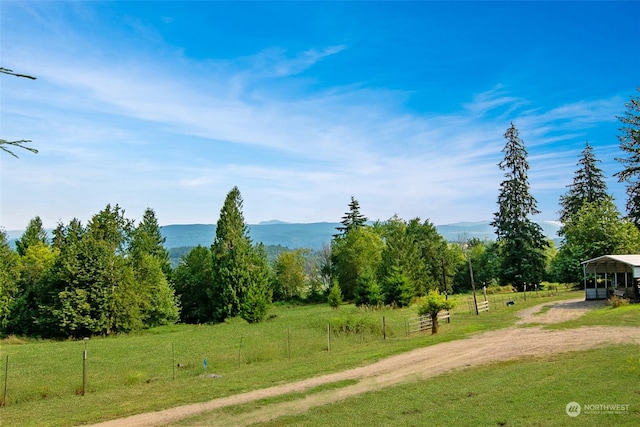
137	373
621	316
526	392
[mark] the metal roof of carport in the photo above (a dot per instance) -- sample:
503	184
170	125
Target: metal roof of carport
612	264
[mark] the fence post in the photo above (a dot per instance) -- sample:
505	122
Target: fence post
384	331
84	372
6	375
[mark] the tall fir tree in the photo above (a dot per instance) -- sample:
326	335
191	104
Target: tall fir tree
352	219
34	234
630	144
147	239
588	186
152	271
240	275
595	230
522	241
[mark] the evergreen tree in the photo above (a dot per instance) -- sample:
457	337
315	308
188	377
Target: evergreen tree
33	235
257	298
432	250
236	266
159	303
9	276
398	289
357	252
193	280
588	186
112	227
352	219
82	289
417	250
147	239
595	230
399	251
522	241
93	288
335	295
36	268
630	145
367	290
64	276
150	260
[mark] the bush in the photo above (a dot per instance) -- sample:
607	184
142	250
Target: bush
335	295
431	304
616	302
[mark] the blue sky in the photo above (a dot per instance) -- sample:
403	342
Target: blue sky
302	105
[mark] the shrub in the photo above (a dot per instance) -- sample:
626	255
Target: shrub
431	304
335	295
616	302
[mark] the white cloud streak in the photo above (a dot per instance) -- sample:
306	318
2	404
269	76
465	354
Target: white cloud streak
114	128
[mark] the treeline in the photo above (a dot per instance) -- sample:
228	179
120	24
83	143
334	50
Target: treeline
103	278
113	276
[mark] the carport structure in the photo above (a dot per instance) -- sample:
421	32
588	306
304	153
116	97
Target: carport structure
619	274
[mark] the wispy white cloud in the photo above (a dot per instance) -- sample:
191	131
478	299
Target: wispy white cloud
276	63
176	133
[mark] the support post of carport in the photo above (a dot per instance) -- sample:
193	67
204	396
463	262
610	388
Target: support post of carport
584	275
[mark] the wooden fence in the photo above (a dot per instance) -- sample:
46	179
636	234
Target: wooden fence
423	323
483	306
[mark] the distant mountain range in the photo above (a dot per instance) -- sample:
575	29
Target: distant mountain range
311	235
314	235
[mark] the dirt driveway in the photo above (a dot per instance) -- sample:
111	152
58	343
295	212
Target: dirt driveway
417	364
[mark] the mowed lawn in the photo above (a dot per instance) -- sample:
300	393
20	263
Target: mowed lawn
136	373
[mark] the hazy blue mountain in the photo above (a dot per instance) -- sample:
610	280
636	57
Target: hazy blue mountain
482	230
313	235
275	233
